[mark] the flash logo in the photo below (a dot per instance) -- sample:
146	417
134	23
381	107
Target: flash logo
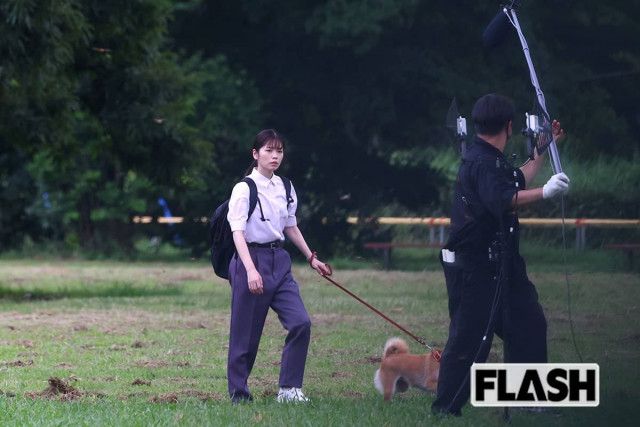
535	384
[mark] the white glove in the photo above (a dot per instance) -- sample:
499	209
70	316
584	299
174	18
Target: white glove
557	184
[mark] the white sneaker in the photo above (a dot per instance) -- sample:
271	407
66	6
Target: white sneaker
292	394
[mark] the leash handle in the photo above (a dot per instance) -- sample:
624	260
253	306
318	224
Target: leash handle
381	314
314	255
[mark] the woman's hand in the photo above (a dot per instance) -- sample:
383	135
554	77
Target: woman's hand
319	266
556	131
254	281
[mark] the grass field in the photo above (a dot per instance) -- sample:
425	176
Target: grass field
146	344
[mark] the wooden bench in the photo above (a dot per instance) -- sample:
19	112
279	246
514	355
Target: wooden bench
386	248
627	248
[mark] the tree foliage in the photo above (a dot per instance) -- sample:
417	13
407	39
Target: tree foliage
106	106
109	116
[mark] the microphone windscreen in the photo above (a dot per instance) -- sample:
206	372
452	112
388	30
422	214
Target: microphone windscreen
496	31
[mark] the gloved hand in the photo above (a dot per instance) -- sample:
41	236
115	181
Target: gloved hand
557	184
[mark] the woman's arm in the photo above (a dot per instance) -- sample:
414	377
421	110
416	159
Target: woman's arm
254	280
294	234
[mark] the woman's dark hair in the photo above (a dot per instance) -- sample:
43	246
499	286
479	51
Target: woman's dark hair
269	137
492	113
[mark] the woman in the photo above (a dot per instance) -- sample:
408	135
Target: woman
260	274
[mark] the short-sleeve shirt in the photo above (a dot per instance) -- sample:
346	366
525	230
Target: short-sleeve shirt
482	199
273	200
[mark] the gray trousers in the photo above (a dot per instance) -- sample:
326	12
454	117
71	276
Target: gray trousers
248	314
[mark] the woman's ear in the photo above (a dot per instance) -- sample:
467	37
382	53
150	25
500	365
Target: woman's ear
254	152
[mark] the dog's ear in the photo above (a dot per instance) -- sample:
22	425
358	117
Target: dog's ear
402	385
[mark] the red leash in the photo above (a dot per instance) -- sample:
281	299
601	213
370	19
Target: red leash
434	353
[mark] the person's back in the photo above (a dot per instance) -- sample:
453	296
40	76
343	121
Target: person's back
480	213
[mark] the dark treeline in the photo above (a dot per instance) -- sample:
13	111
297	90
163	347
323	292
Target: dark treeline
105	106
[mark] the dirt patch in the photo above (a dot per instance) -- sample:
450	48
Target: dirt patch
151	364
58	389
138	381
371	360
28	355
117	347
164	398
17	363
160	364
64	365
353	394
113	321
174	397
182	382
203	395
341	375
195	325
59	272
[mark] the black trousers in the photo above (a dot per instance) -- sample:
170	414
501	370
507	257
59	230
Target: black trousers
519	321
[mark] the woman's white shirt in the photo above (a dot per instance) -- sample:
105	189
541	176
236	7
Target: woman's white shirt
272	196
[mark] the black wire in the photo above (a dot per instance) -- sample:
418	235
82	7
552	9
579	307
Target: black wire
526	161
566	278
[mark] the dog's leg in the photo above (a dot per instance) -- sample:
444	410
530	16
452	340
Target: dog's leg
388	380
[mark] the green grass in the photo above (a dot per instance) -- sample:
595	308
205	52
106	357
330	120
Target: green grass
102	325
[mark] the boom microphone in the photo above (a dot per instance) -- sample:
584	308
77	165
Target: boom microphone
496	31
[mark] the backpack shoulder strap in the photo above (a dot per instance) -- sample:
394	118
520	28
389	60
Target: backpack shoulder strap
253	194
287	189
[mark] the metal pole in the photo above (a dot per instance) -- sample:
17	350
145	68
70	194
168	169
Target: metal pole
553	149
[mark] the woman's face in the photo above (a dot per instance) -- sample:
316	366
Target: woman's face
269	157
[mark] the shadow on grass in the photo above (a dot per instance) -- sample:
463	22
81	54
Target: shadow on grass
117	290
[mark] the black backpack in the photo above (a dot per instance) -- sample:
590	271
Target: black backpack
220	235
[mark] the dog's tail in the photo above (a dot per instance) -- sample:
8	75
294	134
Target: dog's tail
395	346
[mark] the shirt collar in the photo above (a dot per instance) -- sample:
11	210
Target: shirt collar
483	146
260	179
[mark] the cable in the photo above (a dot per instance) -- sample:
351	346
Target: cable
566	278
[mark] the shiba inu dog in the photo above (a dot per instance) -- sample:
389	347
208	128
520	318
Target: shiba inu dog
400	369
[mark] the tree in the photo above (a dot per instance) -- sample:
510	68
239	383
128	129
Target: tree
109	114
